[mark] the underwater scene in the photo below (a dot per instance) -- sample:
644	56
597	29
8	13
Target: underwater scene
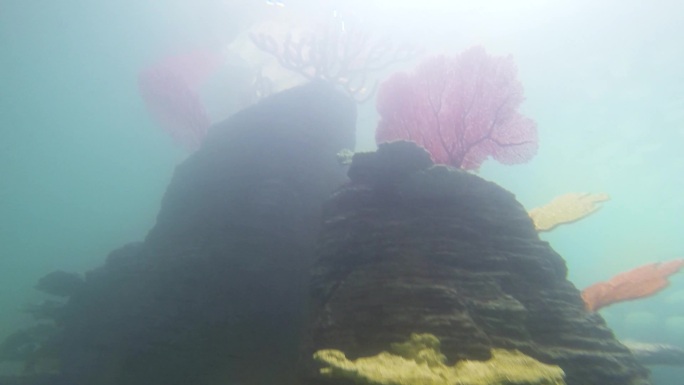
321	192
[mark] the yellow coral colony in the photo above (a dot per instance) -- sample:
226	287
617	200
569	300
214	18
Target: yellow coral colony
419	361
565	208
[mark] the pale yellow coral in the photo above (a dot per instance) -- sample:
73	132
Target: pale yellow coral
422	348
566	208
408	366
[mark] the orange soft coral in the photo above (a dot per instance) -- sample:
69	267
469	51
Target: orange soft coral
641	282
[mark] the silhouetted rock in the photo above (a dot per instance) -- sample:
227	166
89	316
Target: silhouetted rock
60	283
23	344
442	251
46	310
217	292
390	164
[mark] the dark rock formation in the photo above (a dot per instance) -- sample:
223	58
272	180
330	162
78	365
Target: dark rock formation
22	344
438	250
656	354
60	283
217	292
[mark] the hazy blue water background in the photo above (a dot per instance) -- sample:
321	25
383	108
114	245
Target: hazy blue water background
83	167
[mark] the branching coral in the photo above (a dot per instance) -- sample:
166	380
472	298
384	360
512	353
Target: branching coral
566	208
342	53
641	282
461	109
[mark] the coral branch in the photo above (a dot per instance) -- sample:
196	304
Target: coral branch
342	53
644	281
566	208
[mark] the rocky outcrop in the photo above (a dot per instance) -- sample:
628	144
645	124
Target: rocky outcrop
217	291
408	247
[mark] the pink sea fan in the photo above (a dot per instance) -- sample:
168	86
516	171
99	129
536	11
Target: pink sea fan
461	109
170	90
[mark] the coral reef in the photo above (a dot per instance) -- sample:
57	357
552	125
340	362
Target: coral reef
409	246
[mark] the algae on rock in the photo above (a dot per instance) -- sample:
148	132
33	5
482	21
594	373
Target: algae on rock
419	361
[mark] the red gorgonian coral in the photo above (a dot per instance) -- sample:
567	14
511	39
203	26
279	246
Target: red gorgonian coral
461	109
169	88
644	281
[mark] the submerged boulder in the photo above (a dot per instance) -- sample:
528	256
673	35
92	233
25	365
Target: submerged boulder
216	294
60	283
438	250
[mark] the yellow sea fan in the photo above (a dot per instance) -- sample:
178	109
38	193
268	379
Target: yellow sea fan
566	208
